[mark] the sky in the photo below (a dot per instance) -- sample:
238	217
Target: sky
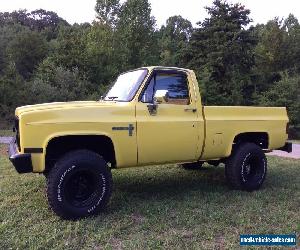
83	10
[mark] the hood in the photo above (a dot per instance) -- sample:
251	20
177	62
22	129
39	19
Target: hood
60	105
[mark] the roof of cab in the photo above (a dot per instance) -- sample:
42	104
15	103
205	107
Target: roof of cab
164	67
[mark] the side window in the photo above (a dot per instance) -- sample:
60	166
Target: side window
149	92
175	83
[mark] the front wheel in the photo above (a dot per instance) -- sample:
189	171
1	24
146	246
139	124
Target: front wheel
79	185
246	168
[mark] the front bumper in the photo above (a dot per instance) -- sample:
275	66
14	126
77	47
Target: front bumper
288	147
21	162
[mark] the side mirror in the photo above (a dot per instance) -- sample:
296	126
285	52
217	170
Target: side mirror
161	96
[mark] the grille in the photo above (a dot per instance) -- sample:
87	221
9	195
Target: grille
17	132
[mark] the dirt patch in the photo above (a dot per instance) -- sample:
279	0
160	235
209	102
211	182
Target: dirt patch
3	150
137	218
220	242
116	244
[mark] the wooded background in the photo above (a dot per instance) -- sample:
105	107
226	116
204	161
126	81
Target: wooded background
44	59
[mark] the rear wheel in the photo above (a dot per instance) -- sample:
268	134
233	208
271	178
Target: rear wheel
247	167
79	185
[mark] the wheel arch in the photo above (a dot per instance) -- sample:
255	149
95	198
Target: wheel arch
259	138
59	145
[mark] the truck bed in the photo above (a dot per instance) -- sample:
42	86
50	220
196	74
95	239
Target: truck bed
224	123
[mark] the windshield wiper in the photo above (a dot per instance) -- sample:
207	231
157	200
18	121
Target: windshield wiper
112	97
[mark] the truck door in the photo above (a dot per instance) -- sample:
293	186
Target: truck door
167	131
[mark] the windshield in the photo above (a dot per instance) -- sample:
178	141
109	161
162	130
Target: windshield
126	86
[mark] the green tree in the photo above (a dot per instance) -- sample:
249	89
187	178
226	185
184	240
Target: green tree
291	43
284	93
103	57
173	38
269	54
135	32
69	49
59	83
108	11
46	22
276	51
236	64
8	33
222	49
11	90
27	50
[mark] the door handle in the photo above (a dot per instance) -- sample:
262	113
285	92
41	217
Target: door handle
191	109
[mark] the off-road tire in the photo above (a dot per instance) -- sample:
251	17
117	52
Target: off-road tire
79	185
246	168
192	165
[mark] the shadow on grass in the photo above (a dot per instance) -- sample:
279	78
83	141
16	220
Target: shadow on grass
171	186
175	181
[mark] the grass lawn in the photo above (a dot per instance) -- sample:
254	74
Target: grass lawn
154	207
6	132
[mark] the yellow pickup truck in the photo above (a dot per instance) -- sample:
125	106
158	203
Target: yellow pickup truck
151	116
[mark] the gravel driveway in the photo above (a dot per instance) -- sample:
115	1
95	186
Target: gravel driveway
6	139
295	154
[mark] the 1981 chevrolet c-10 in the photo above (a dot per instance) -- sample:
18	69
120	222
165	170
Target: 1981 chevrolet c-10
150	116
